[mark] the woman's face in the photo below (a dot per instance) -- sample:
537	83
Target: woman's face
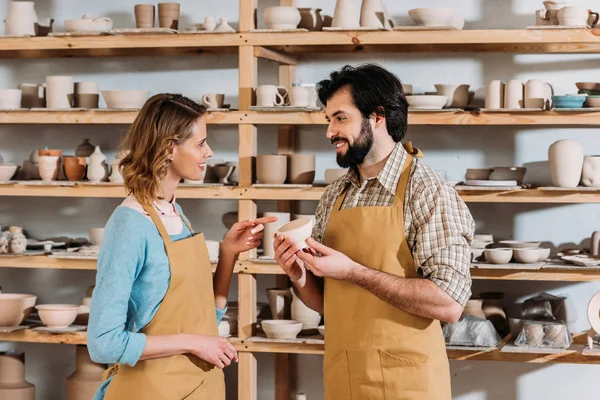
189	157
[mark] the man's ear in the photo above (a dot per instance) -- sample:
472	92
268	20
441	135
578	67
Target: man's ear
379	117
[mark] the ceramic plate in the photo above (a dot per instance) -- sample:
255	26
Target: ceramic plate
70	329
143	31
490	183
424	28
360	28
278	30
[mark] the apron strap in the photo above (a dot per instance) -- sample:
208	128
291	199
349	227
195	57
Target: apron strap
187	223
158	223
403	181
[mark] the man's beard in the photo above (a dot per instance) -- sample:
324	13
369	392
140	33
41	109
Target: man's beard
356	153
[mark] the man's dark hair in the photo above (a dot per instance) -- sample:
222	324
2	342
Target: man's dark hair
374	90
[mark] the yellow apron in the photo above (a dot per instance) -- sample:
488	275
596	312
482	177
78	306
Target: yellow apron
374	350
188	307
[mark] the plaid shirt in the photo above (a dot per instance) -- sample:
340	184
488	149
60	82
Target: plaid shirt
438	224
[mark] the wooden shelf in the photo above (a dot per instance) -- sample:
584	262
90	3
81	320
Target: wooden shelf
29	336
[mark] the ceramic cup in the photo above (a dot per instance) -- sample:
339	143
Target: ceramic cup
298	231
270	95
513	94
213	100
10	98
209	23
494	95
168	15
301	169
87	94
300	97
577	16
33	95
271	169
144	15
49	166
535	94
59	91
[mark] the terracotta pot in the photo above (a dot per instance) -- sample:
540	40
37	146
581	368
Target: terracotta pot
302	313
590	175
566	163
85	381
59	91
271	169
13	385
280	301
301	169
513	94
311	19
457	95
281	17
596	244
49	167
74	168
345	15
270	230
474	307
144	15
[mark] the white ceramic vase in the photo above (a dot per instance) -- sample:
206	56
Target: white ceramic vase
21	18
513	94
96	170
270	230
590	175
59	91
566	163
302	313
115	175
209	23
494	95
345	15
49	167
373	15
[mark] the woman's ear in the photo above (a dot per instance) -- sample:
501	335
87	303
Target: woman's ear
173	152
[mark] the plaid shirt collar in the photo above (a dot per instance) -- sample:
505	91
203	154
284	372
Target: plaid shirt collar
389	175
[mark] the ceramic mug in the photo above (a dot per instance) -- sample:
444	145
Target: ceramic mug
270	95
300	97
213	100
33	95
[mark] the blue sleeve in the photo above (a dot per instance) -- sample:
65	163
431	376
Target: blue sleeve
121	256
220	314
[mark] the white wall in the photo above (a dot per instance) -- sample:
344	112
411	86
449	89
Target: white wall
449	148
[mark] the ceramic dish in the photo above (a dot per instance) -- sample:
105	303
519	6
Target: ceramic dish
498	256
527	255
568	101
7	171
426	102
281	328
519	244
57	316
591	86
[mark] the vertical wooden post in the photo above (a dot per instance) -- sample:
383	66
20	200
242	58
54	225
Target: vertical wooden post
248	15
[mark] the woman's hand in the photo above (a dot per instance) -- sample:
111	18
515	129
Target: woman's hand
245	235
213	349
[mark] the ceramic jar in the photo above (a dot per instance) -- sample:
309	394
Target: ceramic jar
13	385
474	307
374	15
144	15
494	95
302	313
300	96
85	149
59	91
168	15
270	95
115	175
21	18
280	301
97	169
535	94
590	175
596	244
87	94
33	95
209	24
85	381
457	95
74	168
281	17
10	99
576	16
49	167
270	229
18	241
301	169
271	169
513	94
311	19
566	163
345	15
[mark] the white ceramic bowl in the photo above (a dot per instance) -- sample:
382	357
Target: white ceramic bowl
544	254
519	244
89	25
96	236
7	171
427	102
436	16
281	17
281	328
527	255
498	256
298	231
333	174
119	99
10	98
58	316
15	307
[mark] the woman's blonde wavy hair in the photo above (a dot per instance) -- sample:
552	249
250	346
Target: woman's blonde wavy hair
165	120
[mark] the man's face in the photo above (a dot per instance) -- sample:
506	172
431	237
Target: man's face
350	133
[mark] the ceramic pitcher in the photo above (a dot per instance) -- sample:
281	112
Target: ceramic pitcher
21	18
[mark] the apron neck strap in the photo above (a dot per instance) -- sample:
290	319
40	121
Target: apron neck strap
158	223
187	223
403	181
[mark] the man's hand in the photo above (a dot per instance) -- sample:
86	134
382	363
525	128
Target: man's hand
331	263
285	255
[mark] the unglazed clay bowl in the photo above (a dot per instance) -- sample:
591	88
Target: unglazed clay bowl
519	244
96	236
478	174
333	174
592	101
594	86
527	255
119	99
508	174
436	16
281	17
7	171
281	328
271	169
498	256
58	316
426	102
15	307
544	254
298	231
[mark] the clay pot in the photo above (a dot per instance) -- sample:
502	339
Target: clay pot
97	169
300	312
58	316
494	95
85	381
49	167
281	17
311	19
10	99
271	169
281	329
280	301
59	91
33	95
301	169
374	15
13	385
474	307
270	230
168	15
590	175
457	95
513	94
345	15
144	15
21	18
85	149
74	168
596	244
566	163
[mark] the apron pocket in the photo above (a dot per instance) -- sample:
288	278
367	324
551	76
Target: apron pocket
337	378
198	393
404	379
366	378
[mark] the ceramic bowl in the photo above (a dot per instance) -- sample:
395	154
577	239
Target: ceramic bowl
281	328
508	174
498	256
7	171
436	17
15	307
96	236
10	98
527	255
544	253
568	101
298	231
321	330
223	172
592	101
589	92
478	174
591	86
519	244
87	24
333	174
271	169
57	316
483	237
281	17
427	102
119	99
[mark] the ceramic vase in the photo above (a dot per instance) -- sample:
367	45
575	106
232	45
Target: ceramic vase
280	301
566	163
210	24
271	169
97	170
345	15
59	91
281	17
596	244
457	95
270	230
474	307
144	15
49	167
302	313
224	26
13	385
590	175
513	94
21	19
115	175
33	95
301	169
168	15
18	242
85	381
373	15
85	149
311	19
494	95
74	168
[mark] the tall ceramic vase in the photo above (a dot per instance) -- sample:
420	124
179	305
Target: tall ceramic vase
97	168
566	163
85	381
345	15
374	15
13	385
302	313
